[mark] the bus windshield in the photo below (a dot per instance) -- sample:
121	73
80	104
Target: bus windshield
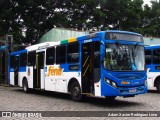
124	57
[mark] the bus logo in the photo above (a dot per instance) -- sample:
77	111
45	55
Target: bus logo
55	71
125	83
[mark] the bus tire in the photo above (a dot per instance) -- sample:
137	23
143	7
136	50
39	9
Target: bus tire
76	92
110	98
158	86
25	86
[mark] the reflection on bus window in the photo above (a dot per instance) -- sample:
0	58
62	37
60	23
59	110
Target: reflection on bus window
124	57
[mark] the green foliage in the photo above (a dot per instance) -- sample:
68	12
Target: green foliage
28	20
152	20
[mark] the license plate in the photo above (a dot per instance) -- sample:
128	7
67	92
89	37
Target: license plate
132	91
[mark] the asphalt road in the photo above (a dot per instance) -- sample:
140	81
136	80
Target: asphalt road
14	99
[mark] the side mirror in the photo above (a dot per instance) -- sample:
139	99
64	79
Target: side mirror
147	70
102	42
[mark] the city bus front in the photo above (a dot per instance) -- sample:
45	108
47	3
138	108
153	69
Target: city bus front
123	65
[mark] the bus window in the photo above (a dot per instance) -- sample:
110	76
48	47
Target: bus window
12	61
23	59
61	54
73	53
50	56
156	56
31	58
148	56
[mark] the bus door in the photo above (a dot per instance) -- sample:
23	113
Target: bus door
87	67
39	82
31	69
16	68
96	69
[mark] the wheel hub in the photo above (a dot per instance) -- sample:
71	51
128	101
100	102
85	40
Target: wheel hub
76	91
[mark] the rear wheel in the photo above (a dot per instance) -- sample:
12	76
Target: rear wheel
76	92
158	86
25	86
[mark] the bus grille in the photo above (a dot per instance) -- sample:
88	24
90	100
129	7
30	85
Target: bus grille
130	76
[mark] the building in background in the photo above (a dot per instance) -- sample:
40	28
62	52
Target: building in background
151	41
57	34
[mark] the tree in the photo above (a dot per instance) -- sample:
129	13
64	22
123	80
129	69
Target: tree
152	20
9	21
28	20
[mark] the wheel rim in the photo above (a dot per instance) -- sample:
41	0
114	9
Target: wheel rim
76	92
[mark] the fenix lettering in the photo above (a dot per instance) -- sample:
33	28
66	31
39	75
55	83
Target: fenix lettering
54	71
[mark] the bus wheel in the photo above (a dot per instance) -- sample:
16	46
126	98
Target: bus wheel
158	86
25	86
76	92
110	98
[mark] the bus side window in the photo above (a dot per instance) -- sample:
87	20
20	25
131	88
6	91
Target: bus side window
148	56
12	61
50	56
23	59
156	56
31	58
61	54
73	53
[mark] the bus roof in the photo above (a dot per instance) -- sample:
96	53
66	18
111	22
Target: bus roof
41	46
81	38
119	31
18	52
152	46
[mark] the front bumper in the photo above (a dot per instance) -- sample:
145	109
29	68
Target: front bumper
108	90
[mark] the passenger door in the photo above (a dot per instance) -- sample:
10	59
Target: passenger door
40	70
87	68
16	70
90	66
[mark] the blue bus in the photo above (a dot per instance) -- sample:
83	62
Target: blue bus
152	56
103	64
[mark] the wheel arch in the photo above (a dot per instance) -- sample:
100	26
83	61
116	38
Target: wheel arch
71	81
156	80
24	78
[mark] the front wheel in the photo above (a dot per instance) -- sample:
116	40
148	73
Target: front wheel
158	86
76	92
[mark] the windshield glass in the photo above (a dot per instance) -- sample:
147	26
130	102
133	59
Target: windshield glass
124	57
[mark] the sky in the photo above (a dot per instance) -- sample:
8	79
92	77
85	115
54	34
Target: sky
147	2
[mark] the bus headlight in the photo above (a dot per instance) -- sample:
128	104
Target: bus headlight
107	81
113	84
